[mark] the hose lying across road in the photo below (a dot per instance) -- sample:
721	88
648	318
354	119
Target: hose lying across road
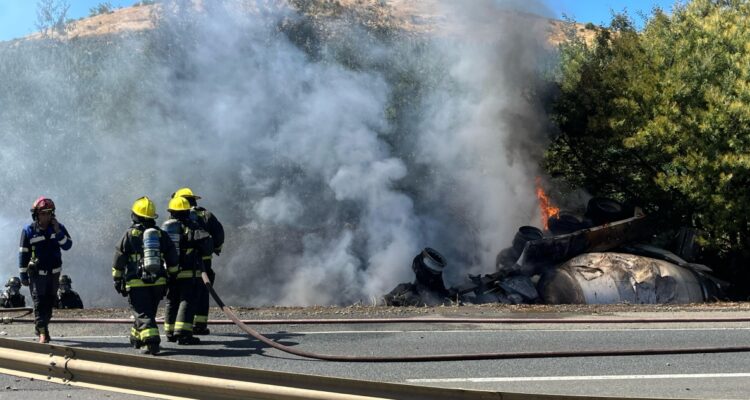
418	320
26	310
457	357
439	320
442	357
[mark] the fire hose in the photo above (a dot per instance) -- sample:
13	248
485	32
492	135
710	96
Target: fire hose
234	319
458	357
26	310
421	320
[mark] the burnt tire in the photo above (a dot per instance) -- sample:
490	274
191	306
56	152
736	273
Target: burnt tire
526	234
602	210
565	223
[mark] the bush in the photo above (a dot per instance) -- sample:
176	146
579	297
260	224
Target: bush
101	8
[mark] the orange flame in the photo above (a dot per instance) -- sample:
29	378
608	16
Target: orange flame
545	205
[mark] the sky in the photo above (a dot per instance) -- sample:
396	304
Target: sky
600	11
18	17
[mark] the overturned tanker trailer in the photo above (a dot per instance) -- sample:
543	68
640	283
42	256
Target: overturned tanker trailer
608	278
592	260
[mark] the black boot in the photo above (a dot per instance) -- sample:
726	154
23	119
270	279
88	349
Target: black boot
188	340
201	330
152	348
135	342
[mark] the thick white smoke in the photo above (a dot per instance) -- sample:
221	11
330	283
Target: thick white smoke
325	195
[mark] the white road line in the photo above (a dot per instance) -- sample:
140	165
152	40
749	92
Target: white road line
61	338
581	378
523	330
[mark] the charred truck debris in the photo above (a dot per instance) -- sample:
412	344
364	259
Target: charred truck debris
428	287
599	258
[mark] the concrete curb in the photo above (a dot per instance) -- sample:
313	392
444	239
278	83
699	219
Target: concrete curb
169	378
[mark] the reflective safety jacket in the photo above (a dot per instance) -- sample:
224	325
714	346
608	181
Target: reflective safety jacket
44	247
208	221
195	250
129	257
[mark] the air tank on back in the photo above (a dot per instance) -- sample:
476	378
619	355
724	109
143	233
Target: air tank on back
151	251
173	228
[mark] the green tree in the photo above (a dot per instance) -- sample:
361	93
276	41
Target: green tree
661	117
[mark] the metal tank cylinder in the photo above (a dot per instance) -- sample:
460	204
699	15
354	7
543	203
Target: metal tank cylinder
151	251
173	228
611	278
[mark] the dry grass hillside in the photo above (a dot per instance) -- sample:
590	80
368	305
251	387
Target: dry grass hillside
419	16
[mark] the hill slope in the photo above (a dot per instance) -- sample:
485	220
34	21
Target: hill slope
418	16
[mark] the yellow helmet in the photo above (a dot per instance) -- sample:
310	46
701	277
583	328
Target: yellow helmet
185	192
178	204
145	208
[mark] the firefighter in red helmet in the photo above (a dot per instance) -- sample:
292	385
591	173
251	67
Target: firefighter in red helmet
40	261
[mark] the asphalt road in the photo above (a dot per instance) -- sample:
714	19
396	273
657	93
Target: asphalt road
699	376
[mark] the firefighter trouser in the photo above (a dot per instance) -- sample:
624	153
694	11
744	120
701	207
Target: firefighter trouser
43	293
144	301
181	300
201	312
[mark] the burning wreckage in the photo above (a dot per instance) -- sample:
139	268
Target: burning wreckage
597	259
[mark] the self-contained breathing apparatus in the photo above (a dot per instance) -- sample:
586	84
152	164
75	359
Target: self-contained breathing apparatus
173	228
150	265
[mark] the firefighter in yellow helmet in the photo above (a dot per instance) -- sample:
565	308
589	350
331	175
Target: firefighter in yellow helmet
194	246
208	221
143	258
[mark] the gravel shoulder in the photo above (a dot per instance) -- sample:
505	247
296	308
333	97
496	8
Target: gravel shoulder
470	311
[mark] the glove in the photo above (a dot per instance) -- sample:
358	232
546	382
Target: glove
120	288
217	252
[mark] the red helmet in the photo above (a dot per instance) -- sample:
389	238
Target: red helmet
42	204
